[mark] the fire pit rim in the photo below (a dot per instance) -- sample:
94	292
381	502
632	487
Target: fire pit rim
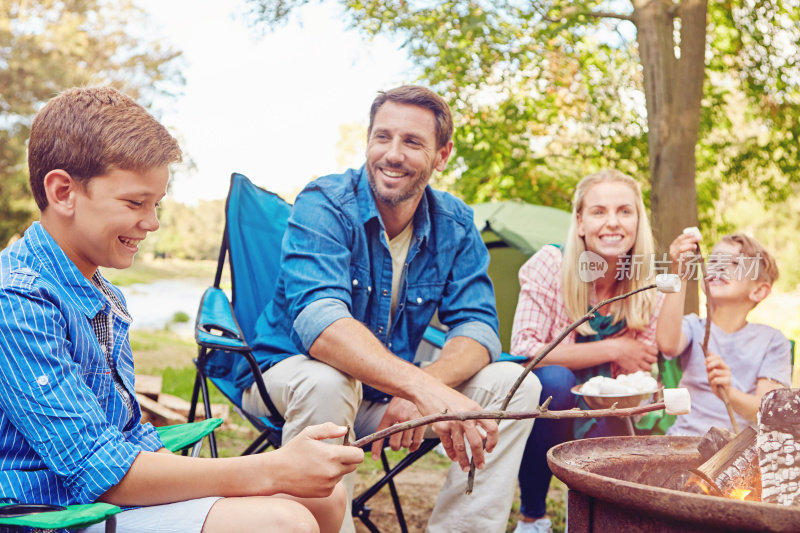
673	504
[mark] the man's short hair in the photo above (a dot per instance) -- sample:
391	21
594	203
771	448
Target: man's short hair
420	97
767	268
90	131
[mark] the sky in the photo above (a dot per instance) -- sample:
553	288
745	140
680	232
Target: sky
267	106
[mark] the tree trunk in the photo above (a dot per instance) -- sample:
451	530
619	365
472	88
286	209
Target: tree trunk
673	91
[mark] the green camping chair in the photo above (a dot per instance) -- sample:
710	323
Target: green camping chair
176	438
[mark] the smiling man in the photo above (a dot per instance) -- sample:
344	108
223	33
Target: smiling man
369	256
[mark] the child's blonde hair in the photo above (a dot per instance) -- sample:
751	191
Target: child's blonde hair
766	269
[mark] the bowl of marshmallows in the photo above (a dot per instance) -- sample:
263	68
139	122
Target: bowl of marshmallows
626	390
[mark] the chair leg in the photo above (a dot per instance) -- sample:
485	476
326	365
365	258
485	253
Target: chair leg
359	508
258	445
398	509
212	441
111	524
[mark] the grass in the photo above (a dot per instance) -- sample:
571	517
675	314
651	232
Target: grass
150	270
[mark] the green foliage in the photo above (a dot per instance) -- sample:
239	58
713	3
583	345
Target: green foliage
47	46
188	232
180	318
147	271
544	92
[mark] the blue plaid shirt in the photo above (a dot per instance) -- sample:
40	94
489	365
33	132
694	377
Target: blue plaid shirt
335	263
67	433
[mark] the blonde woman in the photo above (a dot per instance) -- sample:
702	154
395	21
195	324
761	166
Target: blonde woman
609	251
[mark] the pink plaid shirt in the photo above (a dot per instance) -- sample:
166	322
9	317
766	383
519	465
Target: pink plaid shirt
541	314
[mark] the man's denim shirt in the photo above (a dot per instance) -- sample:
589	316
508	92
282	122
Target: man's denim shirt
335	263
66	434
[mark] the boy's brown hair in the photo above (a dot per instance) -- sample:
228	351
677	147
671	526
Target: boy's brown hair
89	131
766	269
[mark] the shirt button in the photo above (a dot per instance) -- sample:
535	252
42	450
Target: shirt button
42	380
355	282
380	329
369	288
419	300
385	292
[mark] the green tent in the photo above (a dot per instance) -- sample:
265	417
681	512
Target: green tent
513	231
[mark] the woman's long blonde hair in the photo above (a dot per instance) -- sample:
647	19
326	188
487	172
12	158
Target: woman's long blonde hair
637	309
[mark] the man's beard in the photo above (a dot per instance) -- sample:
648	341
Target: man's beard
398	197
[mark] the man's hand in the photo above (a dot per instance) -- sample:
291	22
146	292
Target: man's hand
440	398
308	468
719	374
399	410
632	354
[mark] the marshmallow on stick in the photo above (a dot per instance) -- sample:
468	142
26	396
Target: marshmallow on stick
668	283
677	401
693	230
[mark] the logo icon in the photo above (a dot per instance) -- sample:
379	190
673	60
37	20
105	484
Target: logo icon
591	266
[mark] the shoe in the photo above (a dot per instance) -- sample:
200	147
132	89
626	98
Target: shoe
543	525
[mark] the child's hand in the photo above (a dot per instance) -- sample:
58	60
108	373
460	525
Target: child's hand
310	468
683	251
719	374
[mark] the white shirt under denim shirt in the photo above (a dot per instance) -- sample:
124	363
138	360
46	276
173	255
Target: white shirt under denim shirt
67	434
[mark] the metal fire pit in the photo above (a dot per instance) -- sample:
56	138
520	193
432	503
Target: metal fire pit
615	485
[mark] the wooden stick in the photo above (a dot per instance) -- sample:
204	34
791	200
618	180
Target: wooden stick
546	350
722	392
561	336
541	412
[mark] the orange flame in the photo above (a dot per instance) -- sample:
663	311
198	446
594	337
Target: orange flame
739	494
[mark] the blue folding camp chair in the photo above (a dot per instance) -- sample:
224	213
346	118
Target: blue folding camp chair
254	226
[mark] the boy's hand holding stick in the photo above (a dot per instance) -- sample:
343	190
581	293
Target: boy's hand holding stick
722	392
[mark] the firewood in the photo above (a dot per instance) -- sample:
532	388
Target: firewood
713	441
779	446
735	466
158	414
149	386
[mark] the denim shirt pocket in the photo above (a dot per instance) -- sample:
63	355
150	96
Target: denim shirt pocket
360	290
422	300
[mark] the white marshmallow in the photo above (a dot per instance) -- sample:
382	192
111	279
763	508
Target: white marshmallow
693	230
668	283
677	401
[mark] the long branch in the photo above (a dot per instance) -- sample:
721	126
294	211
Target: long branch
722	392
541	412
549	348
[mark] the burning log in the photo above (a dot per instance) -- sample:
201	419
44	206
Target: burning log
779	446
733	471
713	441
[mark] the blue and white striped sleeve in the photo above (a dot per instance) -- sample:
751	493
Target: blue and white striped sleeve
44	394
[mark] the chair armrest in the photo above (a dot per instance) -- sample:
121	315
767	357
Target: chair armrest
180	436
216	326
74	517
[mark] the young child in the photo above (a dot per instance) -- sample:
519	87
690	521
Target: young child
746	360
70	426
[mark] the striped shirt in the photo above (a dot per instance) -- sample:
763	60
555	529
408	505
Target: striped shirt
67	433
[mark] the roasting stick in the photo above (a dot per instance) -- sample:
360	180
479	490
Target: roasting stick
723	394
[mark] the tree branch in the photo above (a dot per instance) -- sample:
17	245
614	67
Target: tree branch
722	393
561	336
541	412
